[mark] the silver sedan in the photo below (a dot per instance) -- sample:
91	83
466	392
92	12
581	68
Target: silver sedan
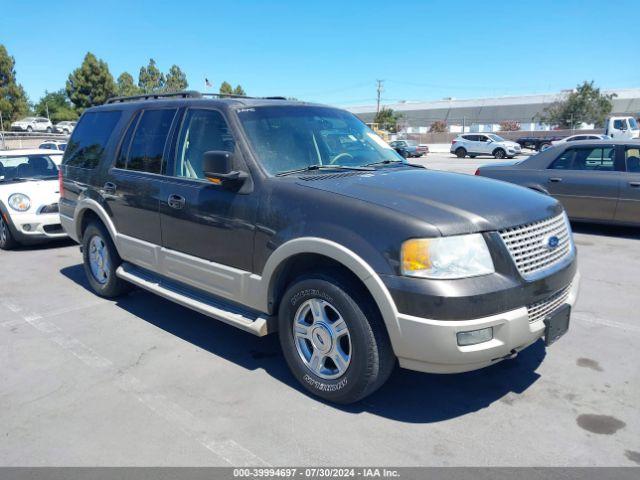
596	180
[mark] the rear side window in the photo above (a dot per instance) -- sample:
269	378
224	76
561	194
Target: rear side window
598	159
89	139
143	150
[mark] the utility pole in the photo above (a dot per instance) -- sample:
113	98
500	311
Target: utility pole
46	105
1	122
379	90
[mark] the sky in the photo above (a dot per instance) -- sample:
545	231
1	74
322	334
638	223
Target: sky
334	51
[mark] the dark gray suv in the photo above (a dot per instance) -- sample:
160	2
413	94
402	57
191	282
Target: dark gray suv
271	215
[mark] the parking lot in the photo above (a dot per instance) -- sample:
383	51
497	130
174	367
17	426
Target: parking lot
142	381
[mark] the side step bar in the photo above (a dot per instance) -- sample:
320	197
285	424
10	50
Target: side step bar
253	322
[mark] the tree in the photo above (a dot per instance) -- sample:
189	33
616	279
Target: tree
125	86
239	91
56	106
387	119
176	80
439	126
584	105
90	84
226	88
13	100
509	126
150	79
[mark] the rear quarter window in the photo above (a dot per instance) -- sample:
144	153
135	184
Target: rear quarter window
89	139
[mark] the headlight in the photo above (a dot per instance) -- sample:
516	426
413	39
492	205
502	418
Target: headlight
19	202
446	257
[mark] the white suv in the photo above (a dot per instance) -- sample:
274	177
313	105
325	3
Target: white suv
33	124
474	144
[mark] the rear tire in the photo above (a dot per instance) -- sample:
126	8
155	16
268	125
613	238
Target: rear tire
325	316
29	129
499	153
49	130
472	156
7	242
101	260
461	152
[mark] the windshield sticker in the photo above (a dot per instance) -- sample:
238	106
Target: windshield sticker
379	141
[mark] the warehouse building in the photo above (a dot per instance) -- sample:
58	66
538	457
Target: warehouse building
486	114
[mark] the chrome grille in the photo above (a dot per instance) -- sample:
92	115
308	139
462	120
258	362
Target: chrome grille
528	245
540	310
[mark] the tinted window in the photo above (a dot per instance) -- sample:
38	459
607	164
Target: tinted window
598	158
202	131
147	145
619	124
632	156
86	146
27	166
121	161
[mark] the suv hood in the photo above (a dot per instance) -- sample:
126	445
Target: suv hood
452	203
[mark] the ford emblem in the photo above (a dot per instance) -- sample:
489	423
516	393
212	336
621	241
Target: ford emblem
552	242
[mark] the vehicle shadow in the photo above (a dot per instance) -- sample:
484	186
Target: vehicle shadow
632	233
48	245
407	397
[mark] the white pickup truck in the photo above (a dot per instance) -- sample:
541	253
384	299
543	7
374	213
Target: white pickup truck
621	127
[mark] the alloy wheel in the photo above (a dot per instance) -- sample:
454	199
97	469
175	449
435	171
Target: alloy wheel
322	339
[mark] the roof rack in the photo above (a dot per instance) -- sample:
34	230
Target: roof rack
185	94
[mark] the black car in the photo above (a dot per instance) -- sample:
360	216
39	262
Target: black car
271	215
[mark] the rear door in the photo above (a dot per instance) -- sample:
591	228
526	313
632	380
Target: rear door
134	185
483	145
586	179
628	210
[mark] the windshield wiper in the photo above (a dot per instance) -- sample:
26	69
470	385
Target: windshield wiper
384	162
310	168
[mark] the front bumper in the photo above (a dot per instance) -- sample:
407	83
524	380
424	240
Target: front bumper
33	227
18	128
429	345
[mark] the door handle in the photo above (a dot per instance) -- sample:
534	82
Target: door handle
176	201
634	184
109	188
555	179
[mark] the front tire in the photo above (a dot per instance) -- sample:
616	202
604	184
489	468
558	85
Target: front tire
101	260
29	129
333	338
49	130
461	152
7	242
499	153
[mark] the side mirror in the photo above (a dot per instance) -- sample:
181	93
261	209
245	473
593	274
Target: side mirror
217	166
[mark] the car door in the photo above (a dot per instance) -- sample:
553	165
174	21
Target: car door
134	185
628	210
207	229
585	179
483	145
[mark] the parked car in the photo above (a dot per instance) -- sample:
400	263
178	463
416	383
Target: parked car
251	212
64	127
33	124
596	181
29	194
622	127
409	148
474	144
54	145
578	137
537	143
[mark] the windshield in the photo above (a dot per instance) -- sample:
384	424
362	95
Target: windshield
496	138
290	138
27	166
28	119
633	124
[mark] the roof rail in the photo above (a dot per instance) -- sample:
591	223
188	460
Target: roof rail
155	96
185	94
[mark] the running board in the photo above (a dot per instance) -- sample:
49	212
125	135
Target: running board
253	322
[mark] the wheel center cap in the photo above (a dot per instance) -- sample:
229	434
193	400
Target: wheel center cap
321	338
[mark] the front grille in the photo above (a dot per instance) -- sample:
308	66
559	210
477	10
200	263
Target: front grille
529	245
53	208
540	310
55	228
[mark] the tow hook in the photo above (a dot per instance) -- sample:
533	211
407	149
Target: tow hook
511	355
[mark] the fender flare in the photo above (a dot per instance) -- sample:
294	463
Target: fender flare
346	257
90	204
